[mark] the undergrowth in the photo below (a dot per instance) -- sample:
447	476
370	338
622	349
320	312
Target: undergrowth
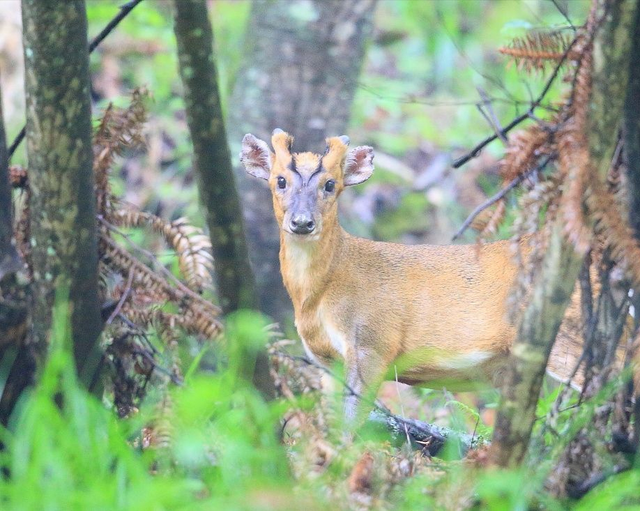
224	447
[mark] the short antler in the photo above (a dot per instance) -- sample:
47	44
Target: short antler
282	144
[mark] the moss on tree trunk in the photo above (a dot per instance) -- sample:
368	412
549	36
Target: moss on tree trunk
63	224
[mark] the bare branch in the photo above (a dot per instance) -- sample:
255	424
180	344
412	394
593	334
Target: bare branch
490	114
476	150
95	42
495	198
427	437
564	13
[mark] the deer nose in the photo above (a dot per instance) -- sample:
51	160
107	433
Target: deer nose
302	224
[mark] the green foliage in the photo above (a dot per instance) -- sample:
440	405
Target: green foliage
619	493
219	450
220	447
66	451
469	414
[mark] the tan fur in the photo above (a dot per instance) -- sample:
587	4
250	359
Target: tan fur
438	313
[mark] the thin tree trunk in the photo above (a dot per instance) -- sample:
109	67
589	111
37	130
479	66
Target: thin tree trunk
213	167
212	160
63	224
538	329
552	290
301	69
632	154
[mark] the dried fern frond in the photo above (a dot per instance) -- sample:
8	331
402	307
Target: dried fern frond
536	49
574	158
533	203
192	321
496	220
538	207
192	247
197	314
524	150
481	220
124	354
614	229
119	129
138	292
574	163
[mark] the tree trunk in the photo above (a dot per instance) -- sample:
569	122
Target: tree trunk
213	167
212	160
632	156
59	149
302	65
530	352
553	287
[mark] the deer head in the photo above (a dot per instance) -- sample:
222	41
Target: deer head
305	186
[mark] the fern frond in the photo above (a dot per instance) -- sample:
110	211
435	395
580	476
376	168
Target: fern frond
164	430
614	229
192	247
119	129
534	51
192	320
197	315
534	203
496	220
538	208
574	158
524	150
575	164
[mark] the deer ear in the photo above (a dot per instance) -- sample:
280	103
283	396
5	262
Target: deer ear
358	166
255	156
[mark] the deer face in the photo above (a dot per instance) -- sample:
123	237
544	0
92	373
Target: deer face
305	186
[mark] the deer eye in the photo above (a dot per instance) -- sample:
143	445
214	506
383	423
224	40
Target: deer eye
282	183
330	185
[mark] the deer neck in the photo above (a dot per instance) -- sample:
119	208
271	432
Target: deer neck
306	264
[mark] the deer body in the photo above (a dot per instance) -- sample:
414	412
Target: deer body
373	303
432	315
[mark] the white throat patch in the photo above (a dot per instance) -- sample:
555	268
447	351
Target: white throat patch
299	257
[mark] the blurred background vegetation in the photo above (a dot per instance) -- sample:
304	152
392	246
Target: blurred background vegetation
416	103
428	65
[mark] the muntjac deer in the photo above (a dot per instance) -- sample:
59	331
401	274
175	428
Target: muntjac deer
438	314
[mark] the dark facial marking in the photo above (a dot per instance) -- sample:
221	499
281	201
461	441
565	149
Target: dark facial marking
319	169
292	166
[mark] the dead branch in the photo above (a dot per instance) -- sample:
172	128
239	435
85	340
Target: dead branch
425	437
95	42
495	198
